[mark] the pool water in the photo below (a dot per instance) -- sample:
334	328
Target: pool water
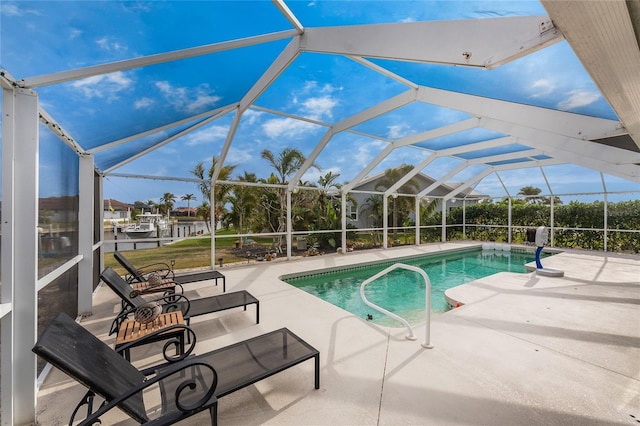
402	291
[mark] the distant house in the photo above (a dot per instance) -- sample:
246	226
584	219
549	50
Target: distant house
359	220
184	211
58	209
116	210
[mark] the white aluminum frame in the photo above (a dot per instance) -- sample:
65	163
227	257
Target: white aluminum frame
487	43
20	171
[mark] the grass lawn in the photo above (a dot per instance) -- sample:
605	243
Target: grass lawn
188	254
196	252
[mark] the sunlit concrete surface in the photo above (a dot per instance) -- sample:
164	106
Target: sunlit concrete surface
523	349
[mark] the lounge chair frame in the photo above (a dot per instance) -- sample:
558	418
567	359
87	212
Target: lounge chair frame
141	274
72	349
215	374
189	307
138	275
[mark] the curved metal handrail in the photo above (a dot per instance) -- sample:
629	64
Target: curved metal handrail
427	341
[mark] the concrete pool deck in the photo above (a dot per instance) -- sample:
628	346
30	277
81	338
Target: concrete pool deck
524	349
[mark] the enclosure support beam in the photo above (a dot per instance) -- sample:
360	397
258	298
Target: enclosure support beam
509	223
212	219
464	219
417	220
20	133
444	221
343	211
289	226
605	223
385	221
8	139
99	199
86	223
552	221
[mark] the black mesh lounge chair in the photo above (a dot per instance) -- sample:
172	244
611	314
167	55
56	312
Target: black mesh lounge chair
187	385
140	275
190	308
69	347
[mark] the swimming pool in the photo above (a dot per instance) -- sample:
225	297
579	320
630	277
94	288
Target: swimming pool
402	291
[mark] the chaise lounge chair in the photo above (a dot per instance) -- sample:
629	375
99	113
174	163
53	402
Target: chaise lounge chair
139	277
187	386
190	308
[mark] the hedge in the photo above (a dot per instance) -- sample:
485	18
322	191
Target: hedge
576	225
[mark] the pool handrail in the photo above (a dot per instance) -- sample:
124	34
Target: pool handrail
427	341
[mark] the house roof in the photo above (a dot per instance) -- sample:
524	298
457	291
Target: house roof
426	181
116	205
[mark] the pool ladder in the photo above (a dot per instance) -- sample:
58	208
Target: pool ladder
427	310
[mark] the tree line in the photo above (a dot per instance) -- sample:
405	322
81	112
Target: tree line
261	207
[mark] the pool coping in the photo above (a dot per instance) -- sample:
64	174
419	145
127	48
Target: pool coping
474	246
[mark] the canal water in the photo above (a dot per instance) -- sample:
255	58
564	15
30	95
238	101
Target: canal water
177	231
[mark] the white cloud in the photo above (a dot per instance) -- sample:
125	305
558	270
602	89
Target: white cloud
320	107
251	116
309	86
110	45
186	99
312	175
106	86
239	156
363	155
397	131
143	103
316	102
202	101
578	98
542	88
15	10
74	33
208	135
286	127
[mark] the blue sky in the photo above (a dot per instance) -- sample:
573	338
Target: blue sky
39	38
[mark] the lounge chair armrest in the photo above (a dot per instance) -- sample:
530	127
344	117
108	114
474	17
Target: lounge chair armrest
120	318
157	266
171	343
188	382
160	268
163	270
172	302
165	281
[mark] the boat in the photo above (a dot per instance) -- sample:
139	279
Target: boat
147	225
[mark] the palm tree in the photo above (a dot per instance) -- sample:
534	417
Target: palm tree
188	198
556	200
429	207
531	193
152	204
391	176
286	164
243	200
204	211
221	191
372	210
326	182
269	204
167	201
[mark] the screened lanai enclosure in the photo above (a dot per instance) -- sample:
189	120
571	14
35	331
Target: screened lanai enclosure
443	106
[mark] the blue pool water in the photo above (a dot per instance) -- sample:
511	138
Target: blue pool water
403	291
